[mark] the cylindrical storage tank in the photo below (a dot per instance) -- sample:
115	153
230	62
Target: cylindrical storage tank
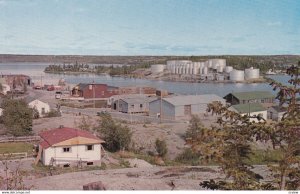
237	75
173	70
215	65
205	70
176	70
158	68
218	62
191	71
180	70
228	69
209	63
195	71
251	73
220	69
201	69
170	64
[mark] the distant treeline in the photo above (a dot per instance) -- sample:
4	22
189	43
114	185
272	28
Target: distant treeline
98	69
264	63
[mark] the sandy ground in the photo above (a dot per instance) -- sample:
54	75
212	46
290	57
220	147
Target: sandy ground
149	178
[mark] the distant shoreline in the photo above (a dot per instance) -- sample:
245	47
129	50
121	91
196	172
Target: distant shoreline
262	80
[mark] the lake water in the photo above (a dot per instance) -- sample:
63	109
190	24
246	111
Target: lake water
35	71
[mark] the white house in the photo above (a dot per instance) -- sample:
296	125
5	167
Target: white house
41	107
5	89
1	111
183	106
251	109
67	146
276	112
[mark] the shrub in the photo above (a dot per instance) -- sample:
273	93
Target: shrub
161	147
115	135
53	113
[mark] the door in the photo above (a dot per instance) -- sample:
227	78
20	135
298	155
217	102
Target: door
187	110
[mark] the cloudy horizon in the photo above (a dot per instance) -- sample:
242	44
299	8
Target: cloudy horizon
149	27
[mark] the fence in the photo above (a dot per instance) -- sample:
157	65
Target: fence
11	156
19	139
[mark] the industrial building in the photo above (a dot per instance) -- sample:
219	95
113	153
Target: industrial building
158	68
104	91
276	113
134	105
253	109
182	106
211	68
93	90
249	97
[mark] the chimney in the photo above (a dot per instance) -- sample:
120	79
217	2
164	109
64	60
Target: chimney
61	126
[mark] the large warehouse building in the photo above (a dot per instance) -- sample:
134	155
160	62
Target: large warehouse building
184	106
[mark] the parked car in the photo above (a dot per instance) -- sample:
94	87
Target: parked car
58	95
37	87
50	88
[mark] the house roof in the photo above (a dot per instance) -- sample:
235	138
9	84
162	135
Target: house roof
279	108
193	99
81	86
138	100
54	136
252	95
246	108
36	101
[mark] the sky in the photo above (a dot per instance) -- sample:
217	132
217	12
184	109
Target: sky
150	27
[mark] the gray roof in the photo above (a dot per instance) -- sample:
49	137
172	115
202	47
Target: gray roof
193	99
138	100
252	95
246	108
279	108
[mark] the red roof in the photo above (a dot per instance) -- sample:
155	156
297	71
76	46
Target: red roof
55	136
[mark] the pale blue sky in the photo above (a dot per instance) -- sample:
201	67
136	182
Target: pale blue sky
150	27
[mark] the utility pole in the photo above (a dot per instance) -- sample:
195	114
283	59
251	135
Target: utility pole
94	94
160	115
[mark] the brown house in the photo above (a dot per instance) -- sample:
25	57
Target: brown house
93	90
16	80
137	90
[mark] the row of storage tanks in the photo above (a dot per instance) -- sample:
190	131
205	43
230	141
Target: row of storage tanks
203	68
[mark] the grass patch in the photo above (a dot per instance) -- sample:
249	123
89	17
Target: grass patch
15	147
265	156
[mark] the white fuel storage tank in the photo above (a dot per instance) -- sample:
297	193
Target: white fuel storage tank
251	73
205	71
158	68
237	75
228	69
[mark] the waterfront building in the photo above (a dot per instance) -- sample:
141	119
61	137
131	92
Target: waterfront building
183	106
253	109
249	97
276	113
138	104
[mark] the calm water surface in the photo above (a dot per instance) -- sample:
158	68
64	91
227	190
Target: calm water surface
35	71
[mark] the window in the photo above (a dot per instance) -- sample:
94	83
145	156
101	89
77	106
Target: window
132	106
90	163
43	110
67	149
141	105
89	147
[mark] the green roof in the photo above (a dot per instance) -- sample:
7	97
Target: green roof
244	108
253	95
